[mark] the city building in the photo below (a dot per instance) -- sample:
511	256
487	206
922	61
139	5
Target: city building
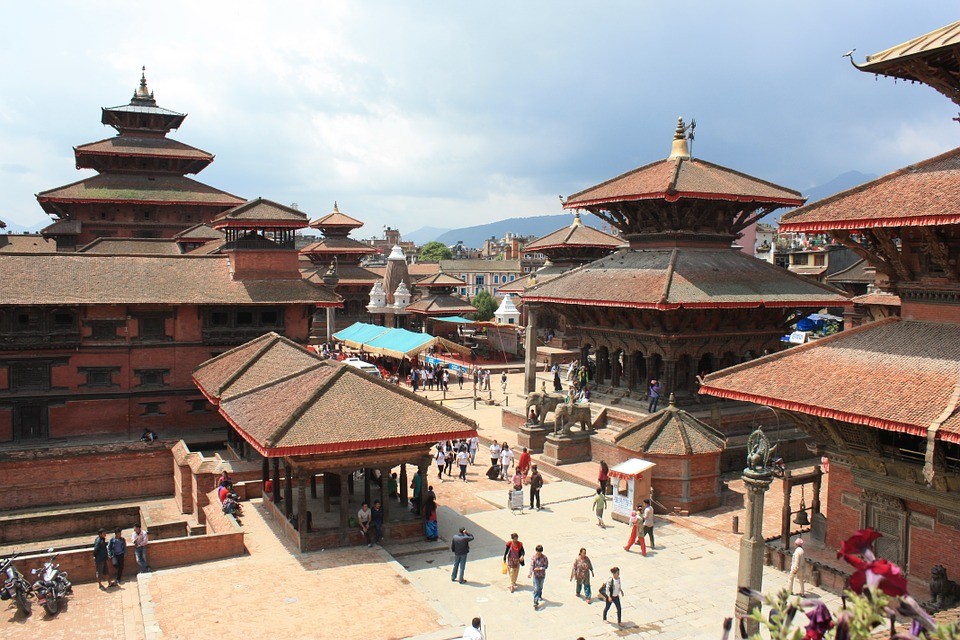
881	399
484	275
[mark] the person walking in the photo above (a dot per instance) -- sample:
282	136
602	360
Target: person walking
557	384
140	548
495	454
100	558
463	459
796	566
513	558
523	463
654	393
506	461
612	592
503	382
117	550
460	378
538	572
647	517
536	481
486	380
474	447
431	526
604	476
581	572
460	545
441	460
635	535
599	504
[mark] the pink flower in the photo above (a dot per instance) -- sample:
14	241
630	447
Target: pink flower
860	543
879	574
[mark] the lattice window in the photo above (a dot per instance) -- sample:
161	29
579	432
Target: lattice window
856	437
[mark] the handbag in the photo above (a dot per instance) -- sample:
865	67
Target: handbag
503	569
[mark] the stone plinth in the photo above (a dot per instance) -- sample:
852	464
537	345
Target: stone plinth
533	437
567	449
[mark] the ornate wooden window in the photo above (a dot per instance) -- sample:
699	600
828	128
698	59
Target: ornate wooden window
99	376
819	260
198	406
103	329
152	377
29	376
902	446
151	328
152	408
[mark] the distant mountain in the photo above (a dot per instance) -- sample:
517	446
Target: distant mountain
535	226
13	227
423	235
842	182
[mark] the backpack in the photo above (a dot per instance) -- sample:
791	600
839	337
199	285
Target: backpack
606	588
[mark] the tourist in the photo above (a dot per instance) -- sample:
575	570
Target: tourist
654	394
513	558
503	382
460	545
536	482
635	535
506	460
364	516
486	380
474	447
518	481
393	487
140	548
523	463
460	378
581	572
557	384
441	459
796	566
100	557
647	516
604	476
599	504
538	572
431	527
376	521
414	379
463	459
495	454
473	632
417	485
448	459
117	550
148	436
612	592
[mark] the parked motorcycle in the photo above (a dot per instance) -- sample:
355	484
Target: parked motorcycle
14	585
52	585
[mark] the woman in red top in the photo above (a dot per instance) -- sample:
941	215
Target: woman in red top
604	477
513	556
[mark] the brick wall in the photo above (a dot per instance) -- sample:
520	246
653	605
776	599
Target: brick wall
74	475
58	524
842	520
929	547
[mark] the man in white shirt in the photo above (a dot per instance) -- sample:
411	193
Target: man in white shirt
648	520
796	565
363	521
140	547
474	446
506	459
463	459
473	632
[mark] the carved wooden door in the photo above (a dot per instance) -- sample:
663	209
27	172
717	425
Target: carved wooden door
890	524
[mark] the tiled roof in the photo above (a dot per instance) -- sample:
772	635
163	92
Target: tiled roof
576	235
860	272
929	43
84	278
891	374
132	246
338	244
478	265
146	146
439	279
26	243
207	248
808	271
263	211
348	274
416	270
310	406
671	432
684	277
63	228
441	305
924	194
142	189
336	219
675	178
544	274
877	298
200	232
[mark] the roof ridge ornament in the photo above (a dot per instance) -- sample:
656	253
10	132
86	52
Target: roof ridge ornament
336	209
577	222
142	93
680	148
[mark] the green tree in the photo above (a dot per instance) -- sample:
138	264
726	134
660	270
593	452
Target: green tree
486	305
435	252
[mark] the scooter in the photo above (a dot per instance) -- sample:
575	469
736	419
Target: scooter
15	586
52	586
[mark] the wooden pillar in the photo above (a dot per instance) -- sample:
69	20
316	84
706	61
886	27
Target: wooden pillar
276	481
327	490
669	378
817	483
366	485
651	369
404	485
384	498
423	467
785	511
266	470
287	490
630	368
615	369
302	506
313	486
530	344
603	359
344	506
584	354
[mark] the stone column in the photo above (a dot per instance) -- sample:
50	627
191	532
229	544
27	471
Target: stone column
276	481
615	369
584	354
313	486
669	378
424	468
756	478
652	372
344	506
630	367
330	312
287	490
367	472
530	344
302	506
404	485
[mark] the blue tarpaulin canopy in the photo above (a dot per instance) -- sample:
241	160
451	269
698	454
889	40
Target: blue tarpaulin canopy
397	343
457	319
358	334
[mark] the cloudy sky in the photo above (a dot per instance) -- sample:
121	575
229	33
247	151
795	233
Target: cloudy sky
451	113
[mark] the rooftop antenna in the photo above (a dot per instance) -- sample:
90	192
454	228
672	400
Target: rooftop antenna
690	128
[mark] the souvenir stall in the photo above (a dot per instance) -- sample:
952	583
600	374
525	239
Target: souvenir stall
631	486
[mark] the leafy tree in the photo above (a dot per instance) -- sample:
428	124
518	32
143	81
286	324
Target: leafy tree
486	305
435	252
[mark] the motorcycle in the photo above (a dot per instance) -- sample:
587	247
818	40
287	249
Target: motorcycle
14	585
52	586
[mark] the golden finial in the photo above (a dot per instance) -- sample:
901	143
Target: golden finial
335	209
576	219
680	148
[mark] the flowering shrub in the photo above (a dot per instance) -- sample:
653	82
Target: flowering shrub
876	596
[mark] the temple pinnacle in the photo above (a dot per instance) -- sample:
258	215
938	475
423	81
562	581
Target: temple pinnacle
680	148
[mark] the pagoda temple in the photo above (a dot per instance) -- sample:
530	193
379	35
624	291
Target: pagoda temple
679	299
437	299
337	254
884	406
141	189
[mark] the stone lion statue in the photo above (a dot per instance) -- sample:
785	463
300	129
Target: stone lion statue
567	415
544	402
944	593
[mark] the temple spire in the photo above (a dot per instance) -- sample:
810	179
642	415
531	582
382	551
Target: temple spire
680	148
143	93
576	219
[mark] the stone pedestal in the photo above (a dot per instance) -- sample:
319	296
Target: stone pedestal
752	548
532	437
567	449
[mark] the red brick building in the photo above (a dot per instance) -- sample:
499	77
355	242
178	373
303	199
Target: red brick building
881	399
141	189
